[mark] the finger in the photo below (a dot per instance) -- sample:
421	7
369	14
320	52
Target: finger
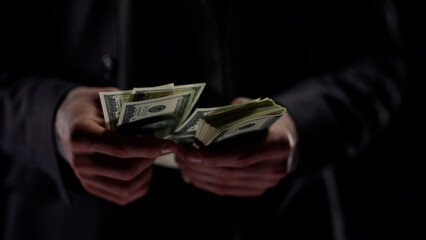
180	154
260	183
91	137
131	147
124	189
102	165
228	191
116	199
240	100
269	170
240	157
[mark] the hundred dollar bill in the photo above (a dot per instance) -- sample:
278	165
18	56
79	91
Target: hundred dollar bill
245	112
140	94
241	128
147	93
247	117
189	127
112	103
186	131
161	115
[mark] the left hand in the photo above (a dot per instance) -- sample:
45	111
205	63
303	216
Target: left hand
242	169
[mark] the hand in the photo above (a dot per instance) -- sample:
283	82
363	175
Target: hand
247	169
114	167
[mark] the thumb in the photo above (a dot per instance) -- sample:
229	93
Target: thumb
240	100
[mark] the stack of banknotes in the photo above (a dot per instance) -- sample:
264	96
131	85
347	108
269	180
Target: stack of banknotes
163	112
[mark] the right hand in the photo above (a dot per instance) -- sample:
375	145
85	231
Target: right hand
109	165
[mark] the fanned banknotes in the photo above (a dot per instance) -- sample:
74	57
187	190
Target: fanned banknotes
163	112
155	111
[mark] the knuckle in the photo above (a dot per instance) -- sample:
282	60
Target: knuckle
188	174
125	193
259	193
149	173
198	184
120	150
205	162
127	171
273	183
220	192
122	191
82	178
125	175
224	181
76	145
133	173
151	154
277	175
247	159
122	201
79	138
226	173
77	165
89	188
280	172
124	196
241	162
144	190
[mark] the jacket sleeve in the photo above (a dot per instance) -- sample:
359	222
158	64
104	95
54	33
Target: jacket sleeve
27	108
30	89
348	94
338	115
341	111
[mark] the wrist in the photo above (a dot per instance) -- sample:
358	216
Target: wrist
288	129
60	131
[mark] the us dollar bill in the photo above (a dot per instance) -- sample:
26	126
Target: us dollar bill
161	115
140	94
185	133
189	127
256	124
147	93
248	117
112	103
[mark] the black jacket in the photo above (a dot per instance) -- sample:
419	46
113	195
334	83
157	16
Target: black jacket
334	65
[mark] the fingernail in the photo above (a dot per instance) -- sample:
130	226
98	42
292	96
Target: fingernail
195	158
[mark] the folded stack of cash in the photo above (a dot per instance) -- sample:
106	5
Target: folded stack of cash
161	112
247	117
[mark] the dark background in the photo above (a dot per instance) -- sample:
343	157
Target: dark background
383	191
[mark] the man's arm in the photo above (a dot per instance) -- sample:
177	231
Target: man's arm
27	108
358	91
339	115
352	97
